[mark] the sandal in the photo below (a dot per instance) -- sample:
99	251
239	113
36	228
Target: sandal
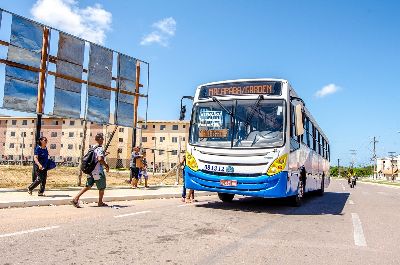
75	204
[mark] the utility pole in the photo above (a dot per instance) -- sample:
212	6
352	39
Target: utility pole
179	161
338	166
154	155
374	142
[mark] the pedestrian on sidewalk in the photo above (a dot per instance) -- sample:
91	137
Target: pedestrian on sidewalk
143	170
41	159
134	166
97	176
182	167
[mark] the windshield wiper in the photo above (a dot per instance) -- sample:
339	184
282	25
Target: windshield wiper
248	120
222	106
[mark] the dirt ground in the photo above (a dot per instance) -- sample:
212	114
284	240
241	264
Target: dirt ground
21	176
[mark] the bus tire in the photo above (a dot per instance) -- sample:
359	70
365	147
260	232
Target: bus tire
297	199
321	191
226	197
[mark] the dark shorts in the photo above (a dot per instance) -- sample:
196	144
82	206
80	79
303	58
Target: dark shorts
100	184
135	172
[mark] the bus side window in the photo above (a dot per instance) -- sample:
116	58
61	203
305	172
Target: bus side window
294	140
314	132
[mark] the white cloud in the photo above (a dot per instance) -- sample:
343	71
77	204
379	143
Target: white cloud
164	30
327	90
90	23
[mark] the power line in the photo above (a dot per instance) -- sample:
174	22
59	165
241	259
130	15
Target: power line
374	142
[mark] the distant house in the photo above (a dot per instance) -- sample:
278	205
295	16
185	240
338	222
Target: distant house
388	167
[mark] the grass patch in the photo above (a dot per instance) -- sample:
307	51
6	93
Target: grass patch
382	182
15	176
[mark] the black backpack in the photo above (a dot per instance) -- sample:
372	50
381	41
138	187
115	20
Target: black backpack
89	161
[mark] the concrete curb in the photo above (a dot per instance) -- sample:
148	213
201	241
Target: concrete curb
381	184
66	201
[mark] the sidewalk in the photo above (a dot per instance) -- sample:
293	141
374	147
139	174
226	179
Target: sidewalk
20	198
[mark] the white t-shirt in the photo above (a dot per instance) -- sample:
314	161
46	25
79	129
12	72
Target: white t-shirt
99	152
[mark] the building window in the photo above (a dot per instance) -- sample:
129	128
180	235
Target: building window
53	134
174	152
62	145
174	139
184	126
71	123
11	145
144	127
70	134
175	127
30	145
121	140
144	139
160	152
162	139
80	147
162	127
33	121
81	134
12	133
24	122
119	150
154	126
14	122
53	146
121	129
153	138
70	146
55	123
31	133
63	122
183	139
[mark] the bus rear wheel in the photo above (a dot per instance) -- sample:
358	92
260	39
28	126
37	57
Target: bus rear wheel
226	197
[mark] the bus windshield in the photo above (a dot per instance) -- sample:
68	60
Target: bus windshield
238	123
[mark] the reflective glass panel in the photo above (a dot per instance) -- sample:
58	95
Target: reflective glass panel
20	95
127	67
70	49
98	92
126	98
26	34
98	110
125	114
100	65
22	74
127	85
23	56
67	103
71	70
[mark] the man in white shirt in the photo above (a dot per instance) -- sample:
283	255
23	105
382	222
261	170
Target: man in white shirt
97	176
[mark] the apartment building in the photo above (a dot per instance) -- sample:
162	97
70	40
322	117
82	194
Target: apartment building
164	142
160	139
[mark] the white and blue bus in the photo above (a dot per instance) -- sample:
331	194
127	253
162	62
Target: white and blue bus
255	137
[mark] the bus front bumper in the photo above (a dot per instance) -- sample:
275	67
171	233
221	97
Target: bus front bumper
261	186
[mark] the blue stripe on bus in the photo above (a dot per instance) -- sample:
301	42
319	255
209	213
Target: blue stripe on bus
262	186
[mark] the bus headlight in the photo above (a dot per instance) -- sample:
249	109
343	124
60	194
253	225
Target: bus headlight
278	165
191	162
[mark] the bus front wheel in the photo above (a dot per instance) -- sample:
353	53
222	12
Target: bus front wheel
226	197
297	199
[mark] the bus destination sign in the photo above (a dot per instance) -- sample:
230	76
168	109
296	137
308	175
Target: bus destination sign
241	88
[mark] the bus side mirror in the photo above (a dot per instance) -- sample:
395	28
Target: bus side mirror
299	120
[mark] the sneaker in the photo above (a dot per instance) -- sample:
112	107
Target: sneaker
41	194
29	192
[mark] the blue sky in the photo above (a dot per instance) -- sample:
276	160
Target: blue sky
352	48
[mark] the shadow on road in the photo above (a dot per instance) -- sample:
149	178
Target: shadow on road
331	203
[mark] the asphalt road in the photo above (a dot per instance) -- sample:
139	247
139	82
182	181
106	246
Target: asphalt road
345	226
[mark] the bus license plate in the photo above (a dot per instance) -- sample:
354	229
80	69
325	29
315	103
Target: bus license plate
225	182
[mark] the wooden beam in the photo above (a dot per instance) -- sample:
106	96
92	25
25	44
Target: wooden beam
43	67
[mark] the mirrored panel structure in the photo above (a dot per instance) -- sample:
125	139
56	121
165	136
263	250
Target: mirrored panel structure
20	88
69	65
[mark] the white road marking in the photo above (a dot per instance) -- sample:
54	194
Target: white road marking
130	214
29	231
351	202
188	204
359	239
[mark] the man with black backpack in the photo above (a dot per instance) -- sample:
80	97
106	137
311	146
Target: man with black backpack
93	164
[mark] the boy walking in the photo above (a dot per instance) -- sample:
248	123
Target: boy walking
97	176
